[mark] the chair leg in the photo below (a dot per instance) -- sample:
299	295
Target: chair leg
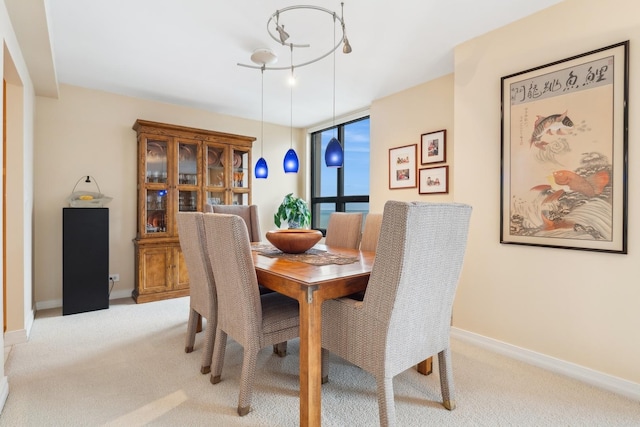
324	366
446	379
246	380
280	349
209	339
192	325
218	355
386	404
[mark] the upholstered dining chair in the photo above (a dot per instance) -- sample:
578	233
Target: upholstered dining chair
249	213
344	229
252	320
202	287
371	232
406	312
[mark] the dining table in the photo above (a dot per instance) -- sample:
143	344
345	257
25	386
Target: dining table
322	273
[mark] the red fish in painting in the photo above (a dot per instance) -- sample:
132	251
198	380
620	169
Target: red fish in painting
589	186
547	190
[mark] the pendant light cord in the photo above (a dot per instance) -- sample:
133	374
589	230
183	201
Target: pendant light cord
291	102
334	77
262	115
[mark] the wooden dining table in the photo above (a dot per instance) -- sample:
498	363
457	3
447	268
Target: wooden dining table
311	285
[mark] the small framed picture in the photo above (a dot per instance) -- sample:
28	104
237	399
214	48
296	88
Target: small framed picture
433	147
402	167
434	180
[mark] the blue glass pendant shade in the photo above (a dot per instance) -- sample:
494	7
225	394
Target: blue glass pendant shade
261	170
291	161
333	156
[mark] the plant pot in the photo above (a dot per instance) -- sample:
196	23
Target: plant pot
294	241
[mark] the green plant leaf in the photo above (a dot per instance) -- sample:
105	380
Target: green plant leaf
293	209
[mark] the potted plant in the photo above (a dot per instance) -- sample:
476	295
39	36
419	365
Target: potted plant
294	211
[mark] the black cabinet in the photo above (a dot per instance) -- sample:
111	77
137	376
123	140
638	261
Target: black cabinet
85	259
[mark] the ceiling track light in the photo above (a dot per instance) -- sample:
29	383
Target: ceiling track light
284	36
262	57
276	32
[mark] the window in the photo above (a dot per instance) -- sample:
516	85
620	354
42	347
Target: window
344	189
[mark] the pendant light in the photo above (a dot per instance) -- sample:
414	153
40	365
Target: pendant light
291	162
262	170
334	156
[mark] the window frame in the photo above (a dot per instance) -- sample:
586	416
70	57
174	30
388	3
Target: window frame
340	200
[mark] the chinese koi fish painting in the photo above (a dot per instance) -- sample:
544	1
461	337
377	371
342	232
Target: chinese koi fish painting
564	153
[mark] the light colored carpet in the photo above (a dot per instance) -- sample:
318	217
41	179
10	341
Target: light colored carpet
126	366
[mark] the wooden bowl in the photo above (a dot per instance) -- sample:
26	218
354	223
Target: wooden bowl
294	240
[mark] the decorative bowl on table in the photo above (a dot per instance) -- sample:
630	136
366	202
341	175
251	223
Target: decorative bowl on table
294	240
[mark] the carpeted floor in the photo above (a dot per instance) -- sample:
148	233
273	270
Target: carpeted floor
126	366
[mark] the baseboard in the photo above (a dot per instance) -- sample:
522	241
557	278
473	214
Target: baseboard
43	305
15	337
21	335
598	379
4	391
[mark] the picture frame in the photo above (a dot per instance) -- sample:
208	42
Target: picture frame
402	167
433	147
434	180
564	143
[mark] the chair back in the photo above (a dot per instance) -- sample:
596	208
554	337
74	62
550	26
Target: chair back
239	307
371	232
202	286
415	275
344	230
249	213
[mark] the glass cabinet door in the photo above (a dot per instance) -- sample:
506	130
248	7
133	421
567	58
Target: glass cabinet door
188	177
241	177
215	166
240	169
156	161
187	164
228	179
156	211
156	185
216	176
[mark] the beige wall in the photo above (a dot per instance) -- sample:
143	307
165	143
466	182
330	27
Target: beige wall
87	132
576	306
19	186
400	120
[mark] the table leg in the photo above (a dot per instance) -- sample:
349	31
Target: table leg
426	366
310	360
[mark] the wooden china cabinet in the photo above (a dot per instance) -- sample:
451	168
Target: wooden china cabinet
181	169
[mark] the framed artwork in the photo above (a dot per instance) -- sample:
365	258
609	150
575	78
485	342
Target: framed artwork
434	180
402	167
433	147
564	153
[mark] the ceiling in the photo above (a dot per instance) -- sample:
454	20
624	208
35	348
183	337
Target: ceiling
186	52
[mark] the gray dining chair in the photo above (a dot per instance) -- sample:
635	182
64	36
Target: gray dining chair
202	286
406	312
371	232
344	229
252	320
249	213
